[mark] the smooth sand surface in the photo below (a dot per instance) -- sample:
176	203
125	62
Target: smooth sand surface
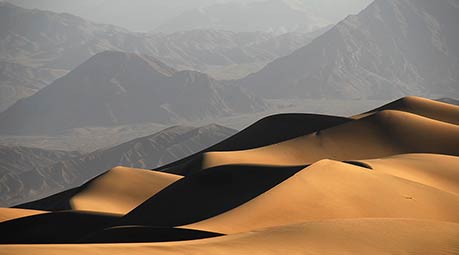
120	190
379	135
421	106
355	236
15	213
331	189
435	170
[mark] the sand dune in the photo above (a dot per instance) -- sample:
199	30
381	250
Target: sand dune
421	106
331	190
117	191
14	213
385	182
206	194
120	190
379	135
356	236
269	130
435	170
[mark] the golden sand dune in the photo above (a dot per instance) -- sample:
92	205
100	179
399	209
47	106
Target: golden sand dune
356	236
120	190
269	130
421	106
207	193
386	182
331	190
116	191
379	135
14	213
435	170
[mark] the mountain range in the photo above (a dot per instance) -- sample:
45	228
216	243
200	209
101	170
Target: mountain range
391	48
147	15
116	88
275	16
38	46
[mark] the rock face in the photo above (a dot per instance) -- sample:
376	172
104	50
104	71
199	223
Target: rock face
30	173
20	174
37	47
19	81
392	48
115	88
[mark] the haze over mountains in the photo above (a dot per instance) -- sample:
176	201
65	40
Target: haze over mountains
147	15
392	48
115	88
116	142
39	46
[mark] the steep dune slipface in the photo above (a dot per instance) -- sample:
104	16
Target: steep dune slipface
331	190
421	106
120	190
206	194
382	134
15	213
354	237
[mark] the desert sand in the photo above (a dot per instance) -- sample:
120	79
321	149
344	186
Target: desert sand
14	213
120	190
356	236
421	106
334	190
382	134
383	182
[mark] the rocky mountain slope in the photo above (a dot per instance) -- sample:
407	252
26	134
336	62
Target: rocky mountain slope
116	88
392	48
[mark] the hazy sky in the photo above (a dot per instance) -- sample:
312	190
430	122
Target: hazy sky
145	15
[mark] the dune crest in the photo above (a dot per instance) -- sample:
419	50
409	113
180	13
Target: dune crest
382	134
421	106
14	213
120	190
331	189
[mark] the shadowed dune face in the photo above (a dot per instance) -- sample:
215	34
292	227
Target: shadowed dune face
206	194
138	234
120	190
356	236
329	190
379	135
56	227
270	130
